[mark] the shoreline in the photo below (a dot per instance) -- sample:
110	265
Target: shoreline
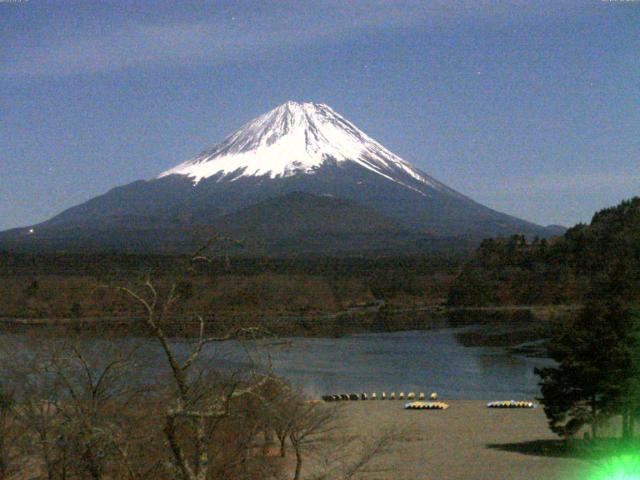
521	330
436	308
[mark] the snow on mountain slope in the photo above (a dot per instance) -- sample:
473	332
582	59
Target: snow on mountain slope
297	138
274	183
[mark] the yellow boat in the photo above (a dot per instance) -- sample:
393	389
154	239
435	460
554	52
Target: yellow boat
426	406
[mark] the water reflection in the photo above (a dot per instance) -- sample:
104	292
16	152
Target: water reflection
417	360
432	360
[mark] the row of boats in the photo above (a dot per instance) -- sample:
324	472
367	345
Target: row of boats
426	406
421	403
444	406
374	396
510	404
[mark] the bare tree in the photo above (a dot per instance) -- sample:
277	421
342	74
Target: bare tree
73	398
91	385
316	431
194	406
8	433
38	417
85	408
310	422
279	412
345	457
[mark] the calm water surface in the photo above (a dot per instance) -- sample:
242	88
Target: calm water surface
420	361
426	361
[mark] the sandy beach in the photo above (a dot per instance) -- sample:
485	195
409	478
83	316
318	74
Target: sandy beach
467	441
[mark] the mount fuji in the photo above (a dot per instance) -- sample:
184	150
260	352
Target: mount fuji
298	179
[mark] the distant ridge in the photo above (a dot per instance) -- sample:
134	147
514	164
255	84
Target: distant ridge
295	154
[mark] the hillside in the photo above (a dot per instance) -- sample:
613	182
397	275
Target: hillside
514	271
306	223
382	202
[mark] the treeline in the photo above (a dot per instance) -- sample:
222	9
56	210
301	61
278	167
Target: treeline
112	263
82	286
597	377
563	270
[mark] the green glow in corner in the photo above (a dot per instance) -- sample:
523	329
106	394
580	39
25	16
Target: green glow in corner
622	467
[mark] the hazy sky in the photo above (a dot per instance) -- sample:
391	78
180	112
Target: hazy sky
532	108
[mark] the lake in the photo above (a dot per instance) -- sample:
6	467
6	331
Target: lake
421	361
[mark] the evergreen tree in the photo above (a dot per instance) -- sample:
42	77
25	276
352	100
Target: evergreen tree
598	370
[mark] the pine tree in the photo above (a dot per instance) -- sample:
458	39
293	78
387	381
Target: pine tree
598	372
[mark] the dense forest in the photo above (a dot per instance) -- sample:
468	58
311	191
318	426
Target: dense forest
66	285
596	379
562	270
502	272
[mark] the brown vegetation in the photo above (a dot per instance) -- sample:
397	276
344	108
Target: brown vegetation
57	296
96	410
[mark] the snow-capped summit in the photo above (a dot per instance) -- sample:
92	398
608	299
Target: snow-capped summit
296	138
298	179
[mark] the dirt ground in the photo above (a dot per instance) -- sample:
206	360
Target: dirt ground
467	441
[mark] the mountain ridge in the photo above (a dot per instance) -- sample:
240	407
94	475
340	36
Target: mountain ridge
295	138
296	147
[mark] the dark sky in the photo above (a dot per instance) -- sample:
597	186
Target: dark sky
532	108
